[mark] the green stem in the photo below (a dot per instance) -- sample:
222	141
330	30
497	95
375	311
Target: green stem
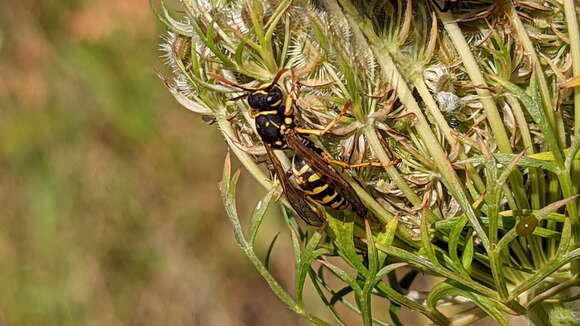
491	111
246	160
227	189
472	68
449	177
570	7
522	36
403	233
376	146
440	121
552	292
529	146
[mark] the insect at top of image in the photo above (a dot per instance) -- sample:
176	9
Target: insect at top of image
317	183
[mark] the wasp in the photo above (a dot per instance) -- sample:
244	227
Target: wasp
445	5
317	181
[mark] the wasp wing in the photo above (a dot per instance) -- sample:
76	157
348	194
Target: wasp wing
295	197
298	144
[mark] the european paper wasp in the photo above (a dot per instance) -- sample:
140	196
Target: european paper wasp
315	178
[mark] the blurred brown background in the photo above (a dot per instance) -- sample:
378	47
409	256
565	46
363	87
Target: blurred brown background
110	213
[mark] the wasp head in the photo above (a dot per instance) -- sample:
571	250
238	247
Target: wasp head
266	99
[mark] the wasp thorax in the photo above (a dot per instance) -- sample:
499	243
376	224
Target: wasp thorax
266	99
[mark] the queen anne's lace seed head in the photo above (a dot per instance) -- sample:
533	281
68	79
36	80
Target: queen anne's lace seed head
413	96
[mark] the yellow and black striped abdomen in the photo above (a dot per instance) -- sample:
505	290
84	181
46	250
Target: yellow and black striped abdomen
314	187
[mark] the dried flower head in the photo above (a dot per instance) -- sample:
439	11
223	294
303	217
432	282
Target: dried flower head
485	193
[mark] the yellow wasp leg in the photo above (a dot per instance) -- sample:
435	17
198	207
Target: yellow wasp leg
320	132
253	113
345	165
289	106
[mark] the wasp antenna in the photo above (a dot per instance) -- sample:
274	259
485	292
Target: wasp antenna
237	98
225	81
277	77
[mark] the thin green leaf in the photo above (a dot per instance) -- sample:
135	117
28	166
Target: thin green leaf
275	18
340	294
239	54
468	251
387	269
342	275
316	282
442	290
259	213
510	168
208	40
534	108
308	255
296	250
426	264
454	238
551	208
269	252
343	229
426	234
566	238
369	283
525	162
386	237
228	191
169	22
506	239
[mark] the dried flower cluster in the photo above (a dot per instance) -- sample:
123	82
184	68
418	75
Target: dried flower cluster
471	101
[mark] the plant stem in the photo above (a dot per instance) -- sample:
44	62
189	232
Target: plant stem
244	158
472	69
433	108
228	191
376	146
574	35
522	36
491	111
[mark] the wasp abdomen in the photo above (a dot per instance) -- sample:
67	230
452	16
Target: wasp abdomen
314	187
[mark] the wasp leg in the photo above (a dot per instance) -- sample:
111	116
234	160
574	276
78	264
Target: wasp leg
350	166
320	132
289	105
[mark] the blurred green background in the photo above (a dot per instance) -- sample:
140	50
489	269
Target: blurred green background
108	188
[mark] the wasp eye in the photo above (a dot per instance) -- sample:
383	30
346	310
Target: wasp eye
272	98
